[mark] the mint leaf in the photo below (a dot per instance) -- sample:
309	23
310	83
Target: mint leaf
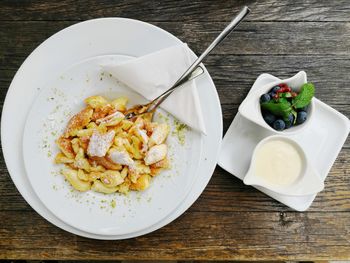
282	108
283	100
304	97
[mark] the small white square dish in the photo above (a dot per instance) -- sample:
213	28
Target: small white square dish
321	141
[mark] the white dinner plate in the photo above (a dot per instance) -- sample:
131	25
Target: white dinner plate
321	141
56	56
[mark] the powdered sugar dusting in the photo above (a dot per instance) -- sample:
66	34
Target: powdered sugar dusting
121	157
100	143
156	154
109	117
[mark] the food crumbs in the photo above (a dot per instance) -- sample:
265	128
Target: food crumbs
163	118
180	131
113	203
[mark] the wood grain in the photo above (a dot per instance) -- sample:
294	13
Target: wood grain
181	10
230	221
226	235
250	38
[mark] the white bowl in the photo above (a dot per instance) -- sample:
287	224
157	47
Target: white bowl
250	107
308	182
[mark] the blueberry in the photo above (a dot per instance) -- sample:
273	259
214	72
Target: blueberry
290	121
265	98
269	117
274	89
301	117
304	108
272	94
279	125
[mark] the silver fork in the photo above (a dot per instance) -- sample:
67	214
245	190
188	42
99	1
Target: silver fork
192	72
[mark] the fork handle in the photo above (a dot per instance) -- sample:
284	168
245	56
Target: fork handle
188	73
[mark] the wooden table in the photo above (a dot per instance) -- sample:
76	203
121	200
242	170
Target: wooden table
230	220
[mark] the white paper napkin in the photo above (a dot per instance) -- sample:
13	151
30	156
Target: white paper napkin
154	73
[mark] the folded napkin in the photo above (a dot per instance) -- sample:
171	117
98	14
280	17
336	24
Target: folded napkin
152	74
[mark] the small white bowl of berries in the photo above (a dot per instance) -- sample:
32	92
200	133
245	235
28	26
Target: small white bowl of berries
284	107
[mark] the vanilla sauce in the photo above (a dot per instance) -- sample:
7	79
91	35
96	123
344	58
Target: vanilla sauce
278	162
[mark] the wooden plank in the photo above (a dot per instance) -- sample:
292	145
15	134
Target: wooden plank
226	193
250	38
195	235
267	37
181	10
